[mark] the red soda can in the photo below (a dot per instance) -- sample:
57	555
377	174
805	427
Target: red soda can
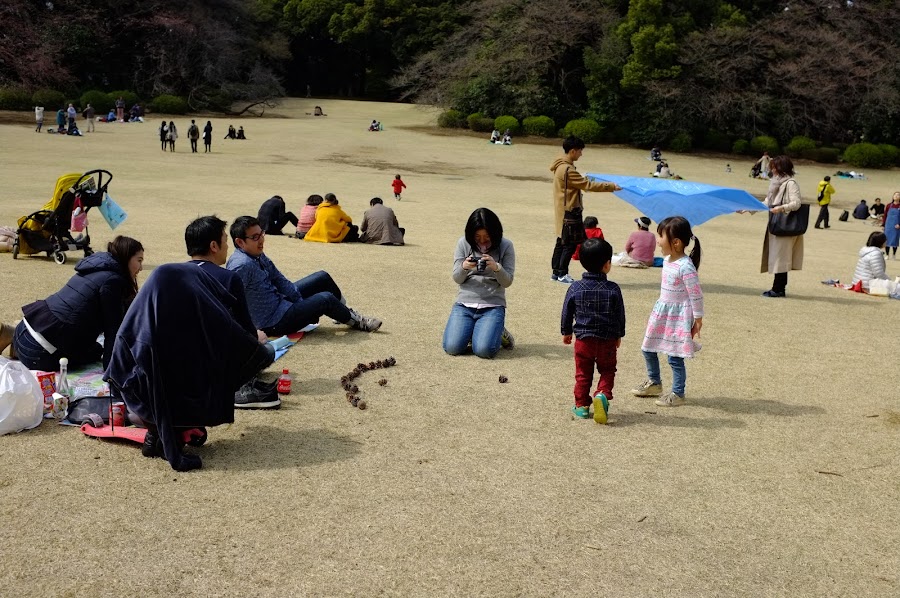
117	414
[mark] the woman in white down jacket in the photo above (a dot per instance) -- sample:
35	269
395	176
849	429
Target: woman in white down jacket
871	260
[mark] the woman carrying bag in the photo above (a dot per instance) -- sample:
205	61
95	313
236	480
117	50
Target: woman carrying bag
788	220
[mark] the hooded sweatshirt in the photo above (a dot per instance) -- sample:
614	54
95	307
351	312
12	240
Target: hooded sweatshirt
869	266
568	184
93	301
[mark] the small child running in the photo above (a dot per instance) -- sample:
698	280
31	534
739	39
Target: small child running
596	306
678	314
398	186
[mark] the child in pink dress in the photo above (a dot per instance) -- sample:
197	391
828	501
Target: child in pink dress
678	314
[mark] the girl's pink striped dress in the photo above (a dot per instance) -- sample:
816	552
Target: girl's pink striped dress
680	302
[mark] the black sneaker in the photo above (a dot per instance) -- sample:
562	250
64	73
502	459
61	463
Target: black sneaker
264	386
248	397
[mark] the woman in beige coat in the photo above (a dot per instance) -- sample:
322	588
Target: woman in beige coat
782	254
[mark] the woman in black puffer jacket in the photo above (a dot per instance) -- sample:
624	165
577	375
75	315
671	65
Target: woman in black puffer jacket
94	301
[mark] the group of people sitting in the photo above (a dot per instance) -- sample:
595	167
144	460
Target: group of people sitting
505	139
663	171
323	220
186	350
232	134
375	126
862	211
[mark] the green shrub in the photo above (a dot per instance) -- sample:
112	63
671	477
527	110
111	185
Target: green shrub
891	153
541	126
865	155
586	129
98	100
451	119
480	123
501	123
799	147
130	98
49	99
169	104
741	146
717	141
682	142
825	155
15	98
764	143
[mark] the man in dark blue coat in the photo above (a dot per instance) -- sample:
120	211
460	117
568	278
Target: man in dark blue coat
273	215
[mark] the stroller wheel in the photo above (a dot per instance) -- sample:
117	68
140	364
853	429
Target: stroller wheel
15	250
59	257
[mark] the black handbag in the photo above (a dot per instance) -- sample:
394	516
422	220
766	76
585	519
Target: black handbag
789	224
573	232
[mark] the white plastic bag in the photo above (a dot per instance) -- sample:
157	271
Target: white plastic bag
21	400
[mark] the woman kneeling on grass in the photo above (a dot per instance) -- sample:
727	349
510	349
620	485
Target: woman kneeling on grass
483	266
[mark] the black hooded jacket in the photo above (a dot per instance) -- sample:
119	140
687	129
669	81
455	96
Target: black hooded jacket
93	301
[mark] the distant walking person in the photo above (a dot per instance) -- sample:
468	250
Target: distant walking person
398	186
38	118
89	115
193	135
163	135
824	198
207	138
172	135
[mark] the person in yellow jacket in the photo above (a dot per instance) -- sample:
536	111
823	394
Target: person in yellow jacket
568	184
333	225
823	194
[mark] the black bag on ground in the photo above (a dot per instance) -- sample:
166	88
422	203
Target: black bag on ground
789	224
573	232
845	215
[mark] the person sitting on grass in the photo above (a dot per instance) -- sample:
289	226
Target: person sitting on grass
308	215
380	226
596	306
877	208
231	134
273	215
332	225
240	133
861	211
278	306
871	260
640	246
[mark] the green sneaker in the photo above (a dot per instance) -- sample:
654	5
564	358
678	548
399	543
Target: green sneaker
582	412
601	408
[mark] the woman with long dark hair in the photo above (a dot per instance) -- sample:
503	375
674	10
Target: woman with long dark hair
782	254
67	323
483	267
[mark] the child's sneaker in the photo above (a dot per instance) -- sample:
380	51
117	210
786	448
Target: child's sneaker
670	400
647	388
582	412
601	408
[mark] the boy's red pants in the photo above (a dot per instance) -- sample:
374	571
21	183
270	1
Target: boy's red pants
591	352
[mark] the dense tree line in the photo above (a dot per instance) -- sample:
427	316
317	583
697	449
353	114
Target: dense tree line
705	72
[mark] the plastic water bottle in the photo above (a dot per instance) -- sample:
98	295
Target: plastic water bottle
284	383
63	392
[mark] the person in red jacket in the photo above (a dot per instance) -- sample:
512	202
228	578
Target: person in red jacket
592	230
398	186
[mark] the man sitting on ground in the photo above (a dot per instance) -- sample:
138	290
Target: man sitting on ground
861	211
273	215
278	306
207	244
379	225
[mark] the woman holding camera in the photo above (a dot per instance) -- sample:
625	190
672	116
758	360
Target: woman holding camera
483	266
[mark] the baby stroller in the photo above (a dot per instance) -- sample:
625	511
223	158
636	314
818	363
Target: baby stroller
47	229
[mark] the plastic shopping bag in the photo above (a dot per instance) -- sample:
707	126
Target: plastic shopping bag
21	401
112	212
79	217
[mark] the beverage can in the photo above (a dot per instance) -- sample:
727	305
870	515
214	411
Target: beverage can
117	414
59	407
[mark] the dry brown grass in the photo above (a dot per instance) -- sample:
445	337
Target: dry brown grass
453	484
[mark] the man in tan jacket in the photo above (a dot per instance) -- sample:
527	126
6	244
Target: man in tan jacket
568	184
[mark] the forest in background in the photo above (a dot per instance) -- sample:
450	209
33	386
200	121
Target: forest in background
680	73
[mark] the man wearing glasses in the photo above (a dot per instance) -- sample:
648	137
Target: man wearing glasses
278	306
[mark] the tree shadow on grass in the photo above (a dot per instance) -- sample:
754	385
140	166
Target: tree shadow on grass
757	407
666	417
268	447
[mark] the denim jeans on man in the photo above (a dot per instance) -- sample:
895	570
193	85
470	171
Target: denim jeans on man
679	374
482	327
321	296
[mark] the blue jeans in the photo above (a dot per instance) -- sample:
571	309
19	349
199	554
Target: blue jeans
679	373
35	357
481	327
321	297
